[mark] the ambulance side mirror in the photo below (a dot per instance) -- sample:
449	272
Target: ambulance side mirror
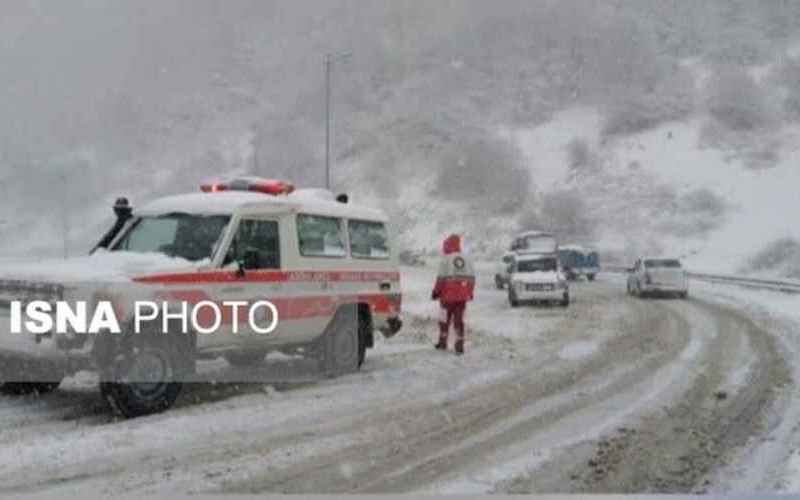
250	259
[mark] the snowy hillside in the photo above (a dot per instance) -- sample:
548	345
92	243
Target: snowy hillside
662	191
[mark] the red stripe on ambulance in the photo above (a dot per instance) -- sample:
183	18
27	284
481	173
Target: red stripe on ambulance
289	308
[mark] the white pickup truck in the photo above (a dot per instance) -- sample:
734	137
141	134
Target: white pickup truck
537	278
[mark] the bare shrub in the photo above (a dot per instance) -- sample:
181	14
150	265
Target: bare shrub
703	202
581	160
737	101
781	255
563	212
486	173
530	219
670	98
787	78
696	213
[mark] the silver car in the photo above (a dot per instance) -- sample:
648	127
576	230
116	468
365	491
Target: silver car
658	276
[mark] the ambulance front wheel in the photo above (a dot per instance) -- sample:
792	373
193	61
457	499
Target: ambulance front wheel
146	374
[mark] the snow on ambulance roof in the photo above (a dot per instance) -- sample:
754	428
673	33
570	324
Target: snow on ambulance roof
576	248
318	201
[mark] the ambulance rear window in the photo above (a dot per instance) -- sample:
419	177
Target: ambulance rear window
368	240
320	236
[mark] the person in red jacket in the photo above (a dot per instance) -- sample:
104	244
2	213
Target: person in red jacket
455	286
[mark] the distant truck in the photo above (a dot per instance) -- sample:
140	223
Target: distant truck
527	243
538	242
577	261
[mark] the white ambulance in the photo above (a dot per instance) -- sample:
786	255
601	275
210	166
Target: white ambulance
327	266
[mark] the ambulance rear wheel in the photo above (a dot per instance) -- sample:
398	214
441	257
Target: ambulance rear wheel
342	347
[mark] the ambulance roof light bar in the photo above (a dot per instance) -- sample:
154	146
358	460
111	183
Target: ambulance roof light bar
252	184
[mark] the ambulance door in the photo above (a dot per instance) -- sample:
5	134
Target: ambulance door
322	251
255	251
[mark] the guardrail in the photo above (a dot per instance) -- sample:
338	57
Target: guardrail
783	286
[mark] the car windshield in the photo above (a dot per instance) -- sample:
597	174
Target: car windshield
192	237
659	263
531	266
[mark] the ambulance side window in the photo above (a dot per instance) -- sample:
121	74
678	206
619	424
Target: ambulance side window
260	239
368	240
320	236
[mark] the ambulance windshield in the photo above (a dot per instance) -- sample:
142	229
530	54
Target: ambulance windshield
192	237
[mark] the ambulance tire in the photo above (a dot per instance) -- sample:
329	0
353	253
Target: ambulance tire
590	277
365	335
246	359
342	347
565	301
498	282
145	353
362	349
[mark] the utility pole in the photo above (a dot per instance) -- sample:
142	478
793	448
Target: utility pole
64	214
330	59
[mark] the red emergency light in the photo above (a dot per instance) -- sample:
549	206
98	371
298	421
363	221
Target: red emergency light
253	184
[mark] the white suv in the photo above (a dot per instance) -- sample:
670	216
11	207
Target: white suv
537	278
658	276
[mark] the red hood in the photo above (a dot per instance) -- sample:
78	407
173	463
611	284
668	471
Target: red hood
452	244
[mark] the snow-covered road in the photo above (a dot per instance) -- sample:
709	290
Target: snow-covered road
613	394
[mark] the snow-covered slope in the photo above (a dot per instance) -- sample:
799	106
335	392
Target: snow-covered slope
630	176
